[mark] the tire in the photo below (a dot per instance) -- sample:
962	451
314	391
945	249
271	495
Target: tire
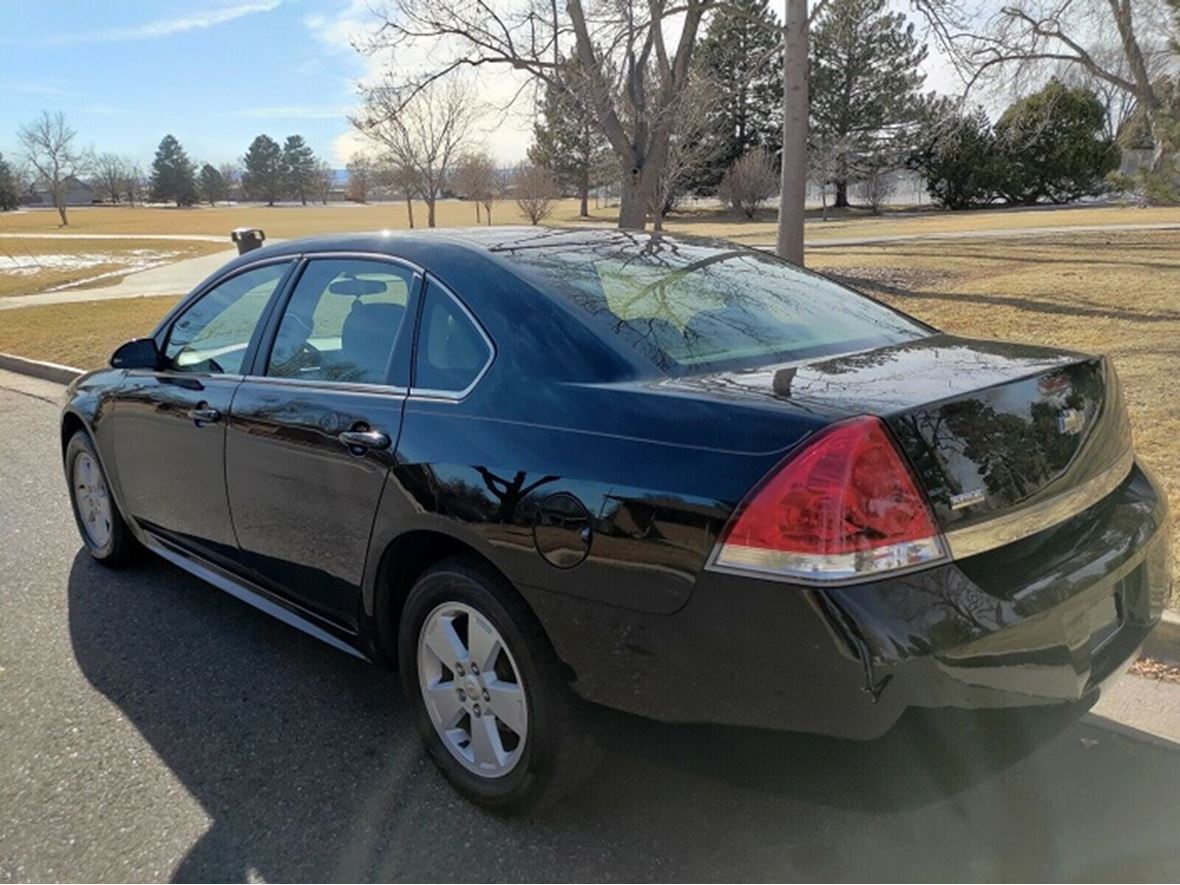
555	753
102	527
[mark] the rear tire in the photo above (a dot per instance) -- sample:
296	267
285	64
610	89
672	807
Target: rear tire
103	530
508	736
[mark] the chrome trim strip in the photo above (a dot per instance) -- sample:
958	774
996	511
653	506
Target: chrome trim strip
221	579
321	384
1012	527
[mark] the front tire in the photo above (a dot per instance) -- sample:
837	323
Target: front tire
487	692
103	530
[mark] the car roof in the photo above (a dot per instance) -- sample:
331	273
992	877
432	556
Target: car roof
486	240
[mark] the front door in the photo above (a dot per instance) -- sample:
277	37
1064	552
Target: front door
169	425
312	434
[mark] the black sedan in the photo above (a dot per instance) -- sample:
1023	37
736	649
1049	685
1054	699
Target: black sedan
677	477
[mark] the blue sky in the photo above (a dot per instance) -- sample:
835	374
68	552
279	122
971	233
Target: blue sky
214	73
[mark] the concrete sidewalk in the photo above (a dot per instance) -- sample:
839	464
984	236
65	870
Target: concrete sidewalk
171	279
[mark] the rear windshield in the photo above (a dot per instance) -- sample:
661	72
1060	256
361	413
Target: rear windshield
694	307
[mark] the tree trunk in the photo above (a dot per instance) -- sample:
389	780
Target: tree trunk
430	201
584	195
477	218
410	210
841	201
634	198
61	210
793	192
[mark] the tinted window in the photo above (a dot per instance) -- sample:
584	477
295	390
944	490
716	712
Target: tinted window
341	322
451	350
695	306
213	334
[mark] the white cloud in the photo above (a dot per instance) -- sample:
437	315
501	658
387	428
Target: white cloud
167	26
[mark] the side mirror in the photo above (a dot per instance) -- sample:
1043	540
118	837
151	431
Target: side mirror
138	353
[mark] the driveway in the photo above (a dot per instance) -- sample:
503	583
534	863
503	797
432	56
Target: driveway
154	728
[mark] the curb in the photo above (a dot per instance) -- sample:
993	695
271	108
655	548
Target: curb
1163	643
38	368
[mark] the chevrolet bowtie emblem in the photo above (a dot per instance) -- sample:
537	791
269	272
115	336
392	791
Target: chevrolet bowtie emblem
1071	421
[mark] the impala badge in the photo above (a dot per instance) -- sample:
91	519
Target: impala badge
1071	421
966	499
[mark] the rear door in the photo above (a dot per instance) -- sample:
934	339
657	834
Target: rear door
169	425
313	430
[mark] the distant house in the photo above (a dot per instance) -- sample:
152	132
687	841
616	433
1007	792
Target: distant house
78	193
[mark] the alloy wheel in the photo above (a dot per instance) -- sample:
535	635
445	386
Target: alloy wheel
472	689
92	500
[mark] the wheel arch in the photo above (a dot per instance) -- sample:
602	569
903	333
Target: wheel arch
71	423
405	559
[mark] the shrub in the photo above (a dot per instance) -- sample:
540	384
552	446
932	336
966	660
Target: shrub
749	182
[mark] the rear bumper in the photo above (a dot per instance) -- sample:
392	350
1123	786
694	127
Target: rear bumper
1046	620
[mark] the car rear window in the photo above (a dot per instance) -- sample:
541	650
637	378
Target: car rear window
691	307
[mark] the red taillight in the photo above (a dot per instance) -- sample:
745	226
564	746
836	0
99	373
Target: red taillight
844	507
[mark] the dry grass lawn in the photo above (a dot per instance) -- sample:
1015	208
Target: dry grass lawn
36	265
297	221
82	334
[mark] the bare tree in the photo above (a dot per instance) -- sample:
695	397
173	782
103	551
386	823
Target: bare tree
632	75
689	148
424	132
793	188
135	184
749	182
493	193
231	174
49	148
475	179
400	179
323	180
1123	43
110	177
361	175
535	190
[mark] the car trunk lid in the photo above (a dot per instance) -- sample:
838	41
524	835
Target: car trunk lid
989	427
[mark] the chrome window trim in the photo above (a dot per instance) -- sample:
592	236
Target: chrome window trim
325	384
451	396
1011	527
206	286
322	384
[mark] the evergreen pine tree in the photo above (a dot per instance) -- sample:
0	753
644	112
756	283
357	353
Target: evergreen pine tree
566	141
740	57
262	175
172	174
212	184
865	82
299	168
9	197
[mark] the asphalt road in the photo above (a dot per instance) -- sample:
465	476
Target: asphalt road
154	728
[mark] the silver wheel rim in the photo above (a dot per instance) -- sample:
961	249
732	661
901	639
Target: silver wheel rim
92	500
472	690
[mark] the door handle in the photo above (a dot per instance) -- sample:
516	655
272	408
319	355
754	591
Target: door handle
203	415
365	439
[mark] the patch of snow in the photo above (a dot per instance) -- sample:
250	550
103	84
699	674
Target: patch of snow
132	260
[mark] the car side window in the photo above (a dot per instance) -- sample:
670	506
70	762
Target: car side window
341	322
452	351
213	335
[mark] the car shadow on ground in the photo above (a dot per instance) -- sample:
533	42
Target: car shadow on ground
307	765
